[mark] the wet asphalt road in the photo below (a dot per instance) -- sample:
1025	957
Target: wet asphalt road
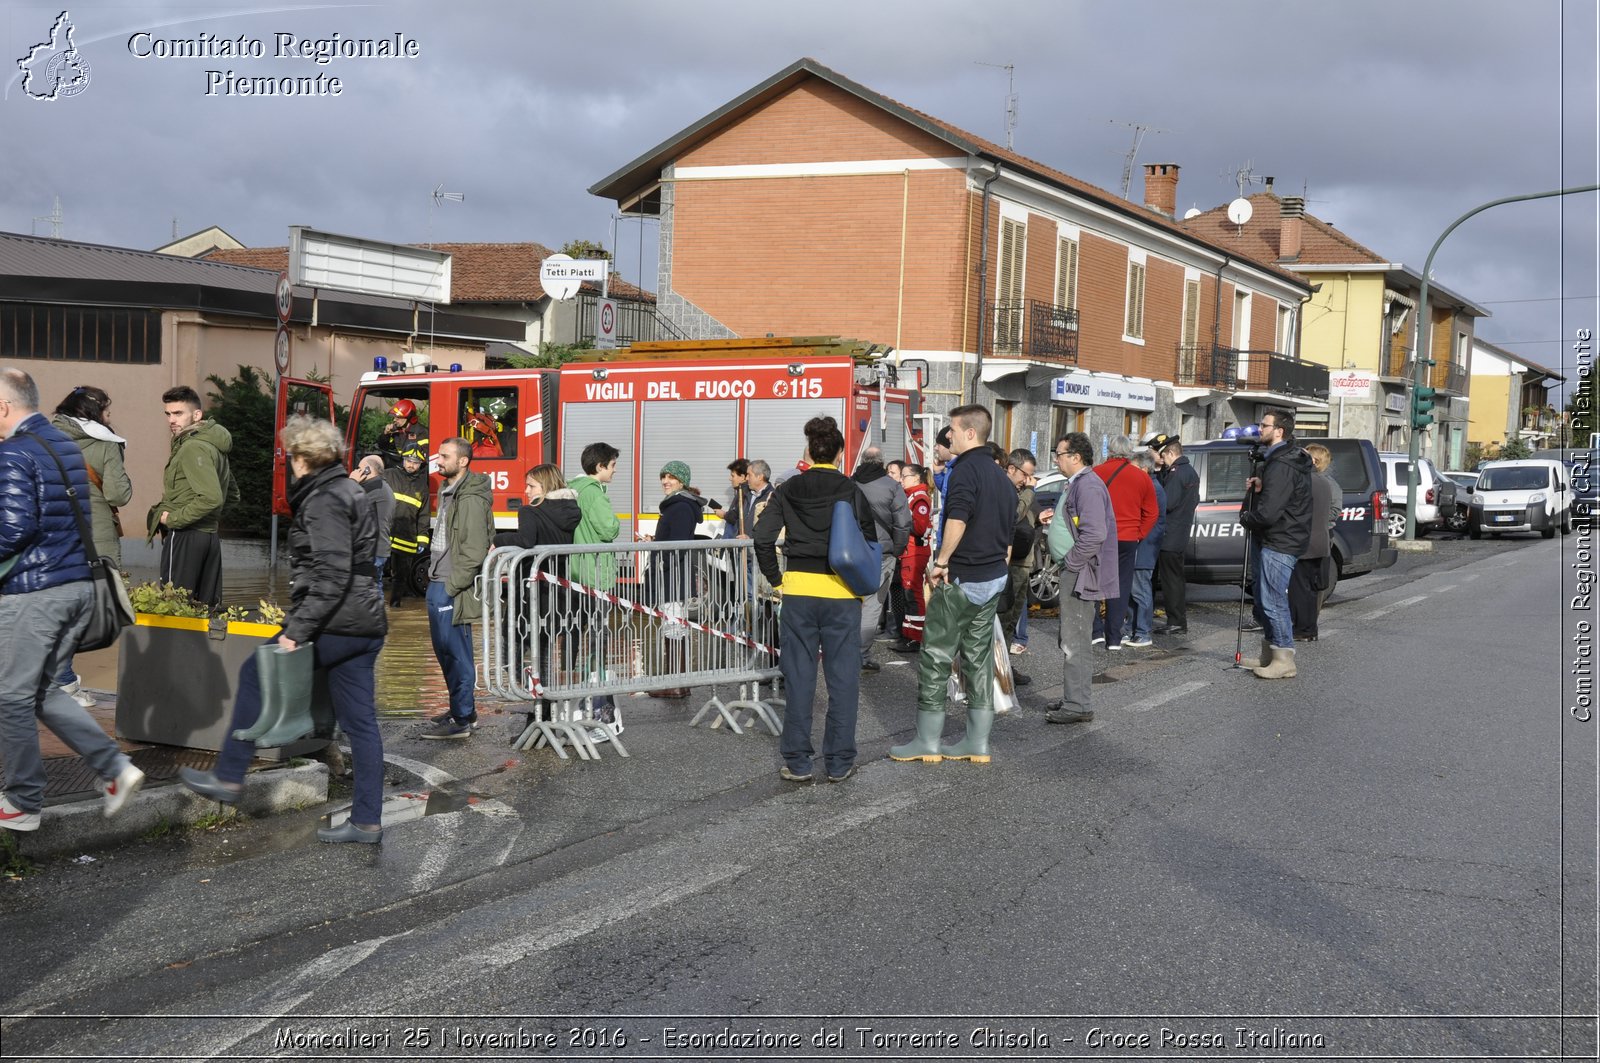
1371	855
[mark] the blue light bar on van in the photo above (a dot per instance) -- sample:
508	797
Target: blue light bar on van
380	364
455	367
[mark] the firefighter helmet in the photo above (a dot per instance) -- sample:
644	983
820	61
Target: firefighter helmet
405	408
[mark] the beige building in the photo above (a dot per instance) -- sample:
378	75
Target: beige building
1511	399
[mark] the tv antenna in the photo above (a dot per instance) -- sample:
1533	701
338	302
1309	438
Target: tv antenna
1139	130
1011	99
1245	176
54	218
440	196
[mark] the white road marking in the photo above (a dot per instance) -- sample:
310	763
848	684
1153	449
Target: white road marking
1176	692
1401	604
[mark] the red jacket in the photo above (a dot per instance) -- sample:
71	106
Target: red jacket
1133	498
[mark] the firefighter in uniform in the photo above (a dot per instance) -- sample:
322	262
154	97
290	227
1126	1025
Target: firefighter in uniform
408	535
402	433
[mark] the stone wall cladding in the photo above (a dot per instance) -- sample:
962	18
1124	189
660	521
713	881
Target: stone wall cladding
684	316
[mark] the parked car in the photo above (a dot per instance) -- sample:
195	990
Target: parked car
1217	542
1466	483
1438	502
1528	495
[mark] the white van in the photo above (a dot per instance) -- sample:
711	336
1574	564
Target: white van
1521	496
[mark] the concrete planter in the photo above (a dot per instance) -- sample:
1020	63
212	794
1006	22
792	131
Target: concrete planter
176	681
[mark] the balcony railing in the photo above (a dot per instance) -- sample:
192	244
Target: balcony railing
1227	369
1036	330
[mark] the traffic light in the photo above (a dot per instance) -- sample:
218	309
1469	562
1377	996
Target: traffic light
1422	406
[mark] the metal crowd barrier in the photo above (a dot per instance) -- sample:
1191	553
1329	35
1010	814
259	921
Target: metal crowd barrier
558	632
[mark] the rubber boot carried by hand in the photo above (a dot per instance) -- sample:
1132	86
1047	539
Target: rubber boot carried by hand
285	696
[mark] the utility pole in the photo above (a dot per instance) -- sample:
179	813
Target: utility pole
1420	402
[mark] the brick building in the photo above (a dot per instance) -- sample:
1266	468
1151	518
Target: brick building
1360	322
814	205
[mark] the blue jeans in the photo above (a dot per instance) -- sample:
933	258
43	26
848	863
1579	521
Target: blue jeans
1271	610
452	645
350	663
1141	612
38	631
832	625
1117	606
1021	638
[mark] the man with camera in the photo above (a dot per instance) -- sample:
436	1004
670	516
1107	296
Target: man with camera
1277	513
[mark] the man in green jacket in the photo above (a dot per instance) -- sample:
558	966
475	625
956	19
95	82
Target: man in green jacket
462	536
195	487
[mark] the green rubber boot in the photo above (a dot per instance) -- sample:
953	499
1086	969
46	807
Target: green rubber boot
974	746
924	747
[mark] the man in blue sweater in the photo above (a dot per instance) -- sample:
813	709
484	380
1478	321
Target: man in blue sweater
964	581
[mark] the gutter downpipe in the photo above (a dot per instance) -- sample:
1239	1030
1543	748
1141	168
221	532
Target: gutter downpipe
1216	336
983	280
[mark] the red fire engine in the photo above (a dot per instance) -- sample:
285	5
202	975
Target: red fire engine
702	402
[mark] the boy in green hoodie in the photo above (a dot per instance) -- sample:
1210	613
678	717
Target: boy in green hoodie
598	523
195	487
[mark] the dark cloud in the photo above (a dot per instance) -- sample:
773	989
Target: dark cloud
1394	117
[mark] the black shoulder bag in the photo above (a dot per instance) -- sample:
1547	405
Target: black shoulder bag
112	610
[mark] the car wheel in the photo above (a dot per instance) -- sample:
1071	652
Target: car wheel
1045	586
1548	533
1457	521
1474	532
1397	525
1566	524
419	575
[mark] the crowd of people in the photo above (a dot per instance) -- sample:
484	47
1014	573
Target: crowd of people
957	542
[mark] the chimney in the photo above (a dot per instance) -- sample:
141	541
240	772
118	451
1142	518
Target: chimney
1291	218
1161	187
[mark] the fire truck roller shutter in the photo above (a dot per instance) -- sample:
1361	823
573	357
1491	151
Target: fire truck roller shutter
775	428
702	434
583	423
895	441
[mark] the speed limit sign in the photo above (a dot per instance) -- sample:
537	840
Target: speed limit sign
605	330
285	297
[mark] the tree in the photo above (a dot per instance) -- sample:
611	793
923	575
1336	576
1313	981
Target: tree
550	356
1515	447
585	249
245	407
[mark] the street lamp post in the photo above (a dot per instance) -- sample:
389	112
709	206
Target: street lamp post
1419	390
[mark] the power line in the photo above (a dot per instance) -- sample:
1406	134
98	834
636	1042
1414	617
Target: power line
1546	299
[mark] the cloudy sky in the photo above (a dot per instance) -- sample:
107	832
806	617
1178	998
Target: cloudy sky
1394	117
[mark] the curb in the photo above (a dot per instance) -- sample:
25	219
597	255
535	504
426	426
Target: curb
81	825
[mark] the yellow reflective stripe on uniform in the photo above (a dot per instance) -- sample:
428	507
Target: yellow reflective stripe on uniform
410	500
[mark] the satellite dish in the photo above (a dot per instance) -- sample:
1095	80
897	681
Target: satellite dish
1239	211
1192	212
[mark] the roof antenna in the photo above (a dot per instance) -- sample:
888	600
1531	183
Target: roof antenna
439	196
1011	99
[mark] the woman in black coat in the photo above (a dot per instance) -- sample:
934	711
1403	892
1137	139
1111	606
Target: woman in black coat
549	517
335	606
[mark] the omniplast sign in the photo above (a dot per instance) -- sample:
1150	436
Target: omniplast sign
1083	388
1344	384
690	383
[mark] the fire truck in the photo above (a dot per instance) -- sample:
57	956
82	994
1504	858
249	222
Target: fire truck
702	402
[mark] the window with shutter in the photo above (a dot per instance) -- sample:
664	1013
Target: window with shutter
1134	328
1008	290
1191	313
1067	275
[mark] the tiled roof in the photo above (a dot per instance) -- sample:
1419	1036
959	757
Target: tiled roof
1320	243
646	169
479	273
